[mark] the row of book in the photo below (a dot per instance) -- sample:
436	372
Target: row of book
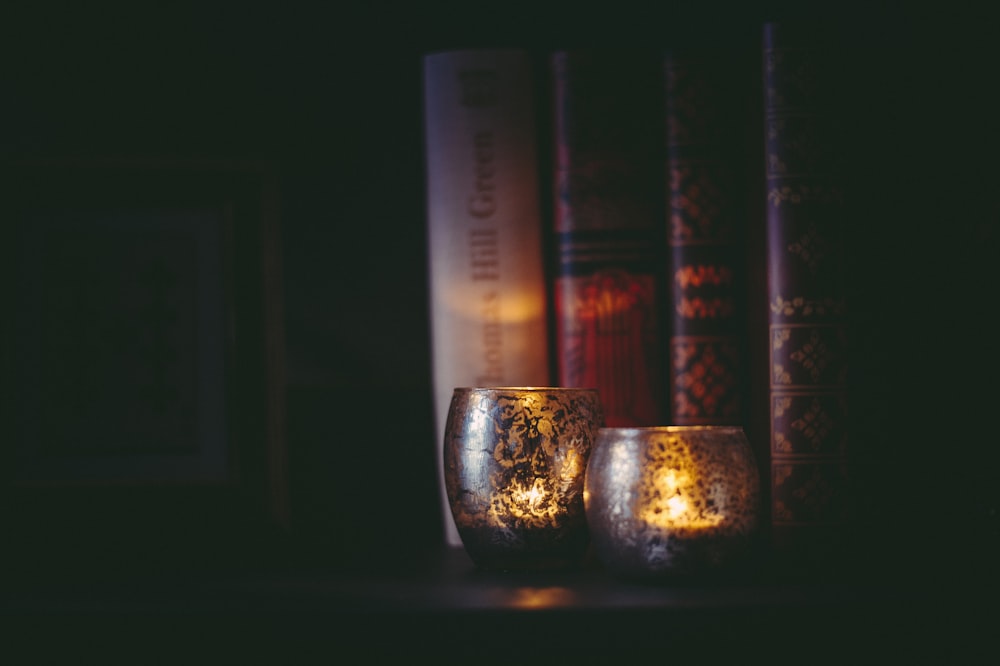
603	242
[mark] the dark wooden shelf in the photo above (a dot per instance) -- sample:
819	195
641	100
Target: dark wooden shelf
436	604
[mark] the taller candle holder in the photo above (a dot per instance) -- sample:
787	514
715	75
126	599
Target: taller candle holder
514	466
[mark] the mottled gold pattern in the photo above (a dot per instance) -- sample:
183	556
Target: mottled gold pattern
514	464
672	500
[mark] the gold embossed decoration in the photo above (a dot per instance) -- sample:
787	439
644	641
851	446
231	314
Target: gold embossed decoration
705	234
806	213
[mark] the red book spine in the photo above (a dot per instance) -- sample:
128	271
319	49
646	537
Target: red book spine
805	218
706	223
608	188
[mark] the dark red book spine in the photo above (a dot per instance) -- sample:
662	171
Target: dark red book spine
805	219
706	229
608	187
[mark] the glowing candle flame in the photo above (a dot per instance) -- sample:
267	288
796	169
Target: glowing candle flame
670	505
676	507
531	498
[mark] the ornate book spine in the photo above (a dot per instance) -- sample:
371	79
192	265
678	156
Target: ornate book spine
608	230
487	279
706	226
810	495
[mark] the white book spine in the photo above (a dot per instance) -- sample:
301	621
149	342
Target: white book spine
487	276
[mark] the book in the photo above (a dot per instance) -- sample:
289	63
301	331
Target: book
810	495
706	233
607	295
487	278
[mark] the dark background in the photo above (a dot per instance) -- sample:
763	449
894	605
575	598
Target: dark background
330	96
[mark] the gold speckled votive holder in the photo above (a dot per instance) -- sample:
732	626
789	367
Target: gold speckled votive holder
672	500
514	466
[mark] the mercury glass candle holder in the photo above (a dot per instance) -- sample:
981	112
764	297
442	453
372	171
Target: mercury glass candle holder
514	466
672	500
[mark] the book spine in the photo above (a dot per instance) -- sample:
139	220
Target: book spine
608	191
706	227
487	280
805	216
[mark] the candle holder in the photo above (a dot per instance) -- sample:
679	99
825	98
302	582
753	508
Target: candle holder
672	500
514	466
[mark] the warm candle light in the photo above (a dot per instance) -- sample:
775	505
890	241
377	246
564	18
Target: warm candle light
515	460
529	507
541	597
671	499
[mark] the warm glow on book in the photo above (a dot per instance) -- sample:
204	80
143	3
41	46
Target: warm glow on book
468	303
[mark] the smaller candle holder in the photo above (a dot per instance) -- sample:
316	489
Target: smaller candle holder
514	466
671	501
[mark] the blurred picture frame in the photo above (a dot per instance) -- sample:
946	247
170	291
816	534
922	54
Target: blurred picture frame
143	354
